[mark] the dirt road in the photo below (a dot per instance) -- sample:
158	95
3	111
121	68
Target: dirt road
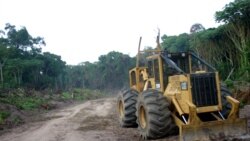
91	121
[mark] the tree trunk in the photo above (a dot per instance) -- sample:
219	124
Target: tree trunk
19	77
15	76
1	74
239	36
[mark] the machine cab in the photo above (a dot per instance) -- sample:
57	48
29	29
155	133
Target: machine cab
161	66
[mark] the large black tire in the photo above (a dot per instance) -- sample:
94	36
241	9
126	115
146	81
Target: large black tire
226	106
153	116
126	108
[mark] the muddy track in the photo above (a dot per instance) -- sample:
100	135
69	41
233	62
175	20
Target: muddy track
90	121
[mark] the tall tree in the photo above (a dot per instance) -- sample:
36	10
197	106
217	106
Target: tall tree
114	69
18	56
21	39
53	67
3	59
237	18
176	43
197	27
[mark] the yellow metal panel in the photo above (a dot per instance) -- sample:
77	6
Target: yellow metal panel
155	56
189	87
218	90
234	113
196	130
207	109
161	73
174	89
139	84
130	77
178	108
212	130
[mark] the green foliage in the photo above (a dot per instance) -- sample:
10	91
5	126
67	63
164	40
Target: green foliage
224	68
75	76
86	94
29	103
229	83
17	120
23	102
81	94
226	47
66	96
114	68
23	65
237	19
110	72
176	43
235	12
3	116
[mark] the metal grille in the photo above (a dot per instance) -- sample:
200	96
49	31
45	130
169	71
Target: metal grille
204	90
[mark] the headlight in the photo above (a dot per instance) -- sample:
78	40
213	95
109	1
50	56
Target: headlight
184	86
157	86
183	54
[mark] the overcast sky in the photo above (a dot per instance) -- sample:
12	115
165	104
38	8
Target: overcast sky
82	30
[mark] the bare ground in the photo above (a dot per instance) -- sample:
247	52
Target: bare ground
90	121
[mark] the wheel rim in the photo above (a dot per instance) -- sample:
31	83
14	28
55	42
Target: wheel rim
121	109
142	117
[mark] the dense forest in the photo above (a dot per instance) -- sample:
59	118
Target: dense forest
23	64
226	47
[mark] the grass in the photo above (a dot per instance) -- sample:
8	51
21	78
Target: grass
29	102
3	116
229	83
23	102
66	96
81	94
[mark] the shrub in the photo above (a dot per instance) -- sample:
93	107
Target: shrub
3	116
66	96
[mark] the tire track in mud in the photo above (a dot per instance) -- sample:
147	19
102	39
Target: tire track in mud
91	121
94	120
